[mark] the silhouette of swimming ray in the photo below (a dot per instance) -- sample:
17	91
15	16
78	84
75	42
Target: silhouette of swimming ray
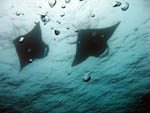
92	42
30	46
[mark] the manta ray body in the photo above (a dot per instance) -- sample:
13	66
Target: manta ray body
30	46
92	42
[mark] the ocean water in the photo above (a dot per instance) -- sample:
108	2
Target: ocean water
119	80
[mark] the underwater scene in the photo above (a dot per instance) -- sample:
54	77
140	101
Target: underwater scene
74	56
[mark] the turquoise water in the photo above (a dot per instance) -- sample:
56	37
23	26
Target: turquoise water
117	80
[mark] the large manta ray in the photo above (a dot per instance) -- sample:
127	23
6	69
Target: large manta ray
30	46
92	42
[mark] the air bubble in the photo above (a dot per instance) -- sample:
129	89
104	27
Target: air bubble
57	32
30	60
62	14
76	30
58	21
86	78
102	36
67	1
63	6
92	15
116	4
29	50
21	39
125	6
45	19
51	3
67	28
18	13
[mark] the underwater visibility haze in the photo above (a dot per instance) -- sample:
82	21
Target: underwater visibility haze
74	56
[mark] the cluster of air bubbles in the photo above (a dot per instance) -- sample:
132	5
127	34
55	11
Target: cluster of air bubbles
45	18
18	13
124	6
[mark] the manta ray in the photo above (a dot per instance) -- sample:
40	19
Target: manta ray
92	42
30	46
